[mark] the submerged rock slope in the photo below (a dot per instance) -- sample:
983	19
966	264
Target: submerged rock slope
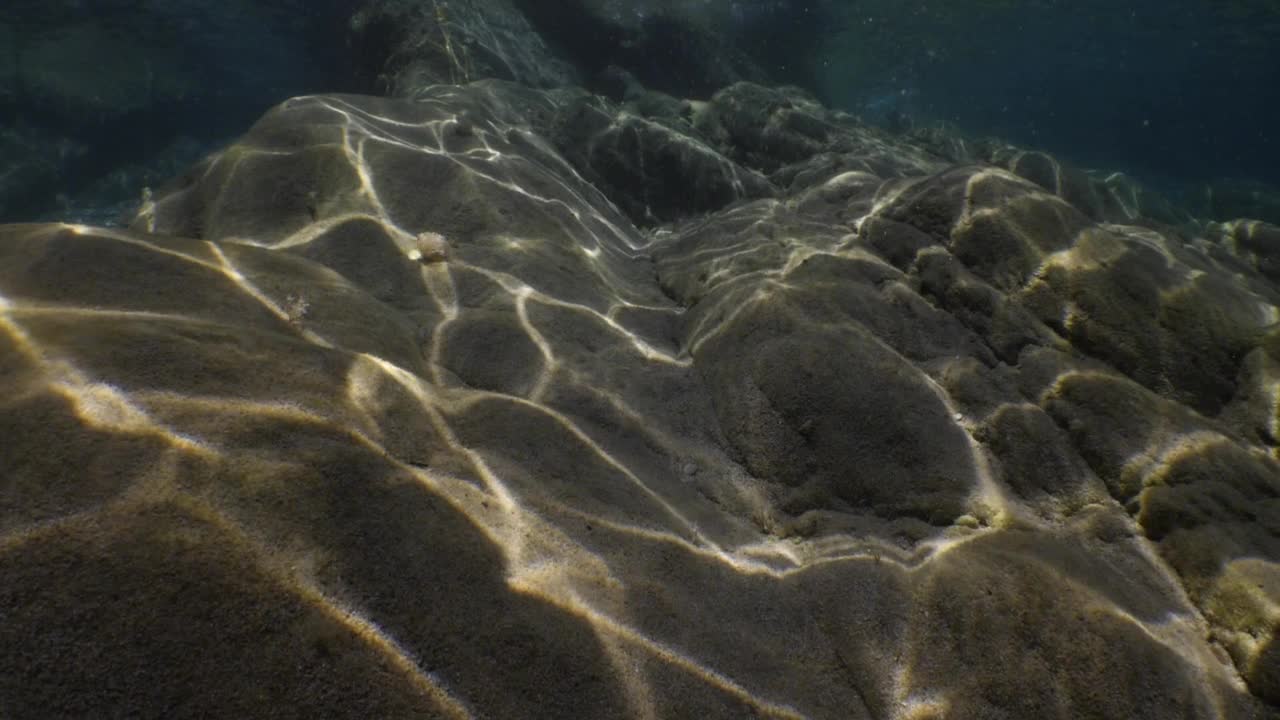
387	410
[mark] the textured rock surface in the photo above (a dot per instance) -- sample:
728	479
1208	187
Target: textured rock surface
399	46
390	410
1111	197
649	158
690	49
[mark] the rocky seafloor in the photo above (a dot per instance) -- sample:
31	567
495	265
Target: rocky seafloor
501	402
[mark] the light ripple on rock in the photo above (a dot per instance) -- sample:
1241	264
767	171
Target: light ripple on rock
387	410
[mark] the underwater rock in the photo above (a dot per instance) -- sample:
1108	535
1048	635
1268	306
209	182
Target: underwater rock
853	449
655	170
768	129
1103	196
399	47
679	48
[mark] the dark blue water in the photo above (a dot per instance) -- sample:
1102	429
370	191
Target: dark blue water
99	98
1178	93
1180	90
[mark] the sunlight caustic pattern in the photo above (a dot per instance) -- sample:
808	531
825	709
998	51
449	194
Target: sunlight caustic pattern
754	464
